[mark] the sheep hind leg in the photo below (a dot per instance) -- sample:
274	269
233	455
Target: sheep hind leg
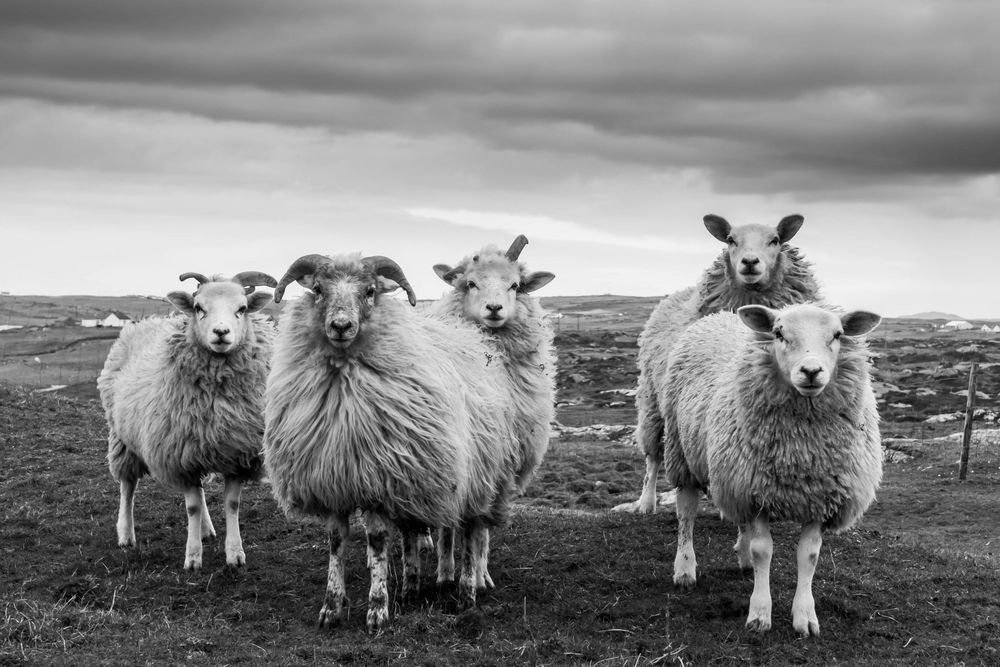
471	562
761	550
446	556
126	520
378	532
742	547
411	564
331	613
649	438
685	564
194	503
207	529
235	555
483	579
803	606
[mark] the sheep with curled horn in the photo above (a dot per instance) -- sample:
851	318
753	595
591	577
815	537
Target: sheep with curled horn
184	397
494	290
372	407
757	267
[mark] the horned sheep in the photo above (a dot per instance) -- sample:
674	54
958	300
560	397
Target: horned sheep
776	416
757	267
370	406
184	397
493	290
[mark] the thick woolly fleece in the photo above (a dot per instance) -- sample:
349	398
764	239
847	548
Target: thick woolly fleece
791	282
412	422
525	350
178	411
735	425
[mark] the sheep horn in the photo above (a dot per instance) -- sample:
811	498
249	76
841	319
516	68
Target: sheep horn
387	268
516	247
197	276
303	266
251	279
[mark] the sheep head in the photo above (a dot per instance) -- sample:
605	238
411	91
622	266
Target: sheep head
490	282
344	291
219	306
807	340
753	251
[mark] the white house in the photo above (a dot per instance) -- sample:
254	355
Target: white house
958	325
115	319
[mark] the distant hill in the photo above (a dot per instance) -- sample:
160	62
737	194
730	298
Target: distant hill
931	315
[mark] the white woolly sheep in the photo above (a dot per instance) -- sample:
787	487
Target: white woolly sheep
493	289
372	407
777	418
184	397
757	267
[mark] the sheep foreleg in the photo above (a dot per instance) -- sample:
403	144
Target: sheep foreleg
803	606
333	602
471	552
483	579
742	547
446	556
126	522
761	549
685	564
194	503
647	501
378	529
234	541
411	563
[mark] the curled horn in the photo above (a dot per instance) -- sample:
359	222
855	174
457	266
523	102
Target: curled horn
251	279
303	266
516	247
197	276
387	268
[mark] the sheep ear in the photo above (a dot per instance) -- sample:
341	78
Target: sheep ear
789	227
257	300
182	301
718	227
759	318
442	270
859	322
536	280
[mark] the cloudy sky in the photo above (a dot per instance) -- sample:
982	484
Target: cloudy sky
142	139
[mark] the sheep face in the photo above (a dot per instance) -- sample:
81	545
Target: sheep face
490	282
218	313
807	340
753	250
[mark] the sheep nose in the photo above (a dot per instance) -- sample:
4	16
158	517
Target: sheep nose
341	325
220	331
811	373
494	308
751	261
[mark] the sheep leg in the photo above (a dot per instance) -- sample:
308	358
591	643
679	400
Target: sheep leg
207	529
411	563
685	564
331	613
649	435
377	529
446	555
126	521
761	549
471	553
742	547
647	500
234	541
483	579
194	503
803	606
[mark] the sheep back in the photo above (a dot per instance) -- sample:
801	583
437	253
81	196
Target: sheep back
414	424
736	427
178	411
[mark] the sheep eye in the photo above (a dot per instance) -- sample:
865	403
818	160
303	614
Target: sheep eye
198	309
778	335
241	311
514	286
837	335
730	240
471	285
773	242
370	292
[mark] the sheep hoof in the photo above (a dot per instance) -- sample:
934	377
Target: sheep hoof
236	559
629	508
329	617
758	624
806	627
192	563
685	581
126	542
487	583
378	618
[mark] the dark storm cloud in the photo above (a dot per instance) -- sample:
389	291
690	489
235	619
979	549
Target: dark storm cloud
763	96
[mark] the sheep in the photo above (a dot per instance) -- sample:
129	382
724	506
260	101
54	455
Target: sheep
493	289
183	397
371	407
777	418
757	267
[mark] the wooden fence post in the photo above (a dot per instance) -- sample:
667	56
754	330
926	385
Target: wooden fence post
970	408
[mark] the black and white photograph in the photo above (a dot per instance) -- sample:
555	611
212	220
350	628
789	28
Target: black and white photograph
540	332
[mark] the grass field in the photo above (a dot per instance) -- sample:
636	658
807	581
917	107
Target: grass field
917	583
